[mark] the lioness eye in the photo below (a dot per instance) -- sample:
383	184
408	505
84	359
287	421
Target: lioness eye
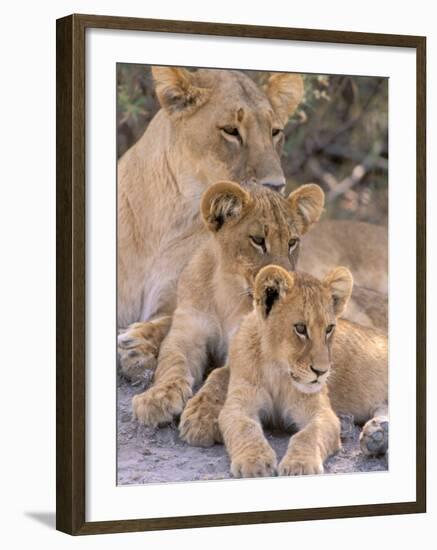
231	131
301	329
329	329
292	243
276	132
258	241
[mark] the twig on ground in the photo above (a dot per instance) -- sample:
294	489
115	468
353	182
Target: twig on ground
326	177
356	175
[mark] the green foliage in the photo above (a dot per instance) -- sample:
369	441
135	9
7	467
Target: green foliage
136	103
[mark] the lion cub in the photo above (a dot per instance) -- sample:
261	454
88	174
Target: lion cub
279	363
249	228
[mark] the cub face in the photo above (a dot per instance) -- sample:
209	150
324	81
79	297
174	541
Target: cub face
254	226
225	125
299	315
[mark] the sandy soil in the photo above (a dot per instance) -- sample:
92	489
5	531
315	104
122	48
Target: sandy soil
148	455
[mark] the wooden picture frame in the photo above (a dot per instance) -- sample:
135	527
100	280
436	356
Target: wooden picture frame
71	284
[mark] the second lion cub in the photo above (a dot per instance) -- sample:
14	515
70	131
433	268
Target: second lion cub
249	228
279	362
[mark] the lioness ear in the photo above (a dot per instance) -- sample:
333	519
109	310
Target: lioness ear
222	202
271	284
340	283
307	204
176	90
285	92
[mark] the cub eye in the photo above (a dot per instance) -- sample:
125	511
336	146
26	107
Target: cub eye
300	329
231	131
276	131
329	329
258	241
292	243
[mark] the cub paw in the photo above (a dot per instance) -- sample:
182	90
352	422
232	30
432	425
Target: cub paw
199	423
374	436
259	462
137	355
160	404
295	465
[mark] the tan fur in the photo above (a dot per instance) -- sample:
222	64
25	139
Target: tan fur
361	247
249	228
361	392
367	307
279	375
184	150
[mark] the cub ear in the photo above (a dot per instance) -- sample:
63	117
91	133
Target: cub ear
285	92
223	202
271	284
307	204
176	90
340	283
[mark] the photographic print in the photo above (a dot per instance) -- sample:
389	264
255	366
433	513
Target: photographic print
228	197
252	274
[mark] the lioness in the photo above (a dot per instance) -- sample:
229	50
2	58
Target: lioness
249	228
213	125
278	368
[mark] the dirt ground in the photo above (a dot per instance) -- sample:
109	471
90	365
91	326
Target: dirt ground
147	455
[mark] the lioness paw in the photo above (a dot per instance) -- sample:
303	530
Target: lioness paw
374	436
294	465
199	423
259	463
160	404
137	355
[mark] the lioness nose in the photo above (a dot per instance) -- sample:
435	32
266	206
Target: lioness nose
275	183
317	371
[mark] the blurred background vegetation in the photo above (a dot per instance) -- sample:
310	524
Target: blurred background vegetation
337	138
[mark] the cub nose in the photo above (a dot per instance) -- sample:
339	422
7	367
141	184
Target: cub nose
275	183
317	372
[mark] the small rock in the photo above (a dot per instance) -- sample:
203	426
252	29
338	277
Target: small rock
373	445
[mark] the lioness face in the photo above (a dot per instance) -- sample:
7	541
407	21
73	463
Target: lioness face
299	314
225	125
255	226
